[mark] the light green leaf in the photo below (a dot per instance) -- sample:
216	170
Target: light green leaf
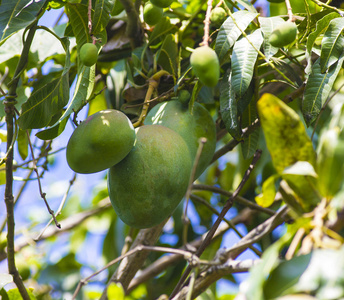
321	25
5	279
39	109
115	291
16	15
303	168
332	44
3	136
284	132
268	25
23	144
269	191
229	33
228	107
318	88
244	57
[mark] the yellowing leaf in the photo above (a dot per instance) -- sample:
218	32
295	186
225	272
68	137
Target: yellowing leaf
285	134
115	291
268	192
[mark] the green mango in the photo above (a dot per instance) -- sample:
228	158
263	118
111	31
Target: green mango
100	141
88	54
191	127
206	66
284	34
152	14
147	186
218	15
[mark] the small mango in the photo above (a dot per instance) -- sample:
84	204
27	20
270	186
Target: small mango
284	34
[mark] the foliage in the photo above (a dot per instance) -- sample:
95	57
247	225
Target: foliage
269	204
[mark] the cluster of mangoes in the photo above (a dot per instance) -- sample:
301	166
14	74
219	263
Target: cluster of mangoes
150	166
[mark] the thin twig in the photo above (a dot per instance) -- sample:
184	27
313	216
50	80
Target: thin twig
71	182
43	195
290	11
229	203
207	23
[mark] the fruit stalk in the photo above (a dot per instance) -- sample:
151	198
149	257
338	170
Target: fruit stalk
207	23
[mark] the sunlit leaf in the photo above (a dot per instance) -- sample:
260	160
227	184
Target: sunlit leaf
115	291
269	191
318	88
284	132
332	44
101	17
244	57
5	279
229	32
16	15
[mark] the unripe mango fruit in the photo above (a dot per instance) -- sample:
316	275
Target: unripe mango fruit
152	14
88	54
147	185
191	127
162	3
101	141
284	34
205	65
218	15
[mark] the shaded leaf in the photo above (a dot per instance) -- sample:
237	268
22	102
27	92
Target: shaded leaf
244	57
162	28
318	88
23	144
321	25
38	110
268	25
284	132
332	44
101	17
16	15
228	107
168	55
229	33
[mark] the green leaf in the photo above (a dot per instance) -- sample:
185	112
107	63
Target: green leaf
228	107
115	291
285	276
244	57
13	47
269	191
5	279
101	17
16	15
229	33
39	109
332	44
284	132
14	294
162	28
23	144
168	55
318	88
267	25
321	25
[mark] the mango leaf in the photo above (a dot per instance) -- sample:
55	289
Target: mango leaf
321	25
247	4
229	33
16	15
168	55
162	28
228	107
101	17
244	57
285	135
332	44
83	91
38	110
12	47
267	25
302	179
318	88
269	191
14	294
285	276
23	144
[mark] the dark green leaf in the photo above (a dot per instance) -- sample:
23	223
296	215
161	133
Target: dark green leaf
23	144
163	27
168	55
318	88
244	57
332	44
39	109
101	17
16	15
229	33
228	107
